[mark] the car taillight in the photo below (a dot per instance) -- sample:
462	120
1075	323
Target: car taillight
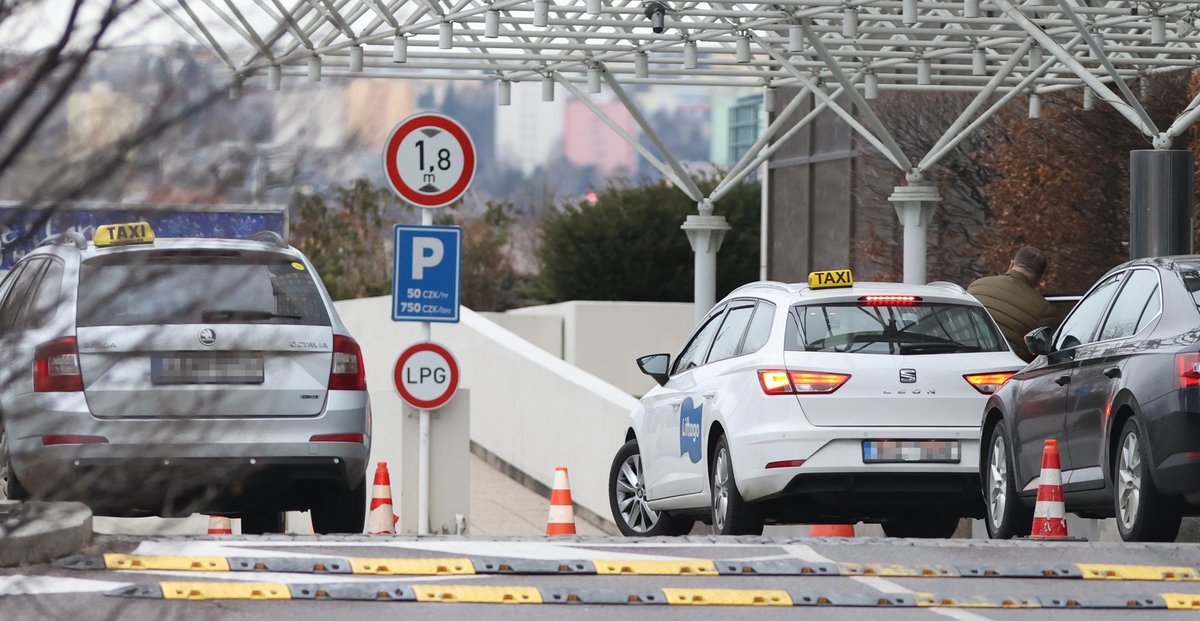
348	372
987	383
778	382
889	300
56	366
1189	369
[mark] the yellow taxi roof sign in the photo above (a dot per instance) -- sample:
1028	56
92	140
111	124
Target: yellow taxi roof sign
830	279
123	234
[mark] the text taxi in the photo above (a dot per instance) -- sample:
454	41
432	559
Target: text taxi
828	402
167	376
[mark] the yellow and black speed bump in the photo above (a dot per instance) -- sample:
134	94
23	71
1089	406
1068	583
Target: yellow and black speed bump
675	567
670	596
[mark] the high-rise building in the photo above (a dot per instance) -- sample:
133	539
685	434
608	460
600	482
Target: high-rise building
97	118
588	141
374	107
530	131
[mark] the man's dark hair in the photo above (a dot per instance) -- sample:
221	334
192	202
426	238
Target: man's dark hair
1031	259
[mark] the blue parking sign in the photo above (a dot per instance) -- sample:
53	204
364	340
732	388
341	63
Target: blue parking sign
426	273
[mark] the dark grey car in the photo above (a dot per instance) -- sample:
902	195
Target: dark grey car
181	375
1118	386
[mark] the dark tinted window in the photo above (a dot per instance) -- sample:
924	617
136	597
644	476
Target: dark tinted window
45	301
193	286
1081	325
725	345
932	328
759	331
15	302
1130	305
693	355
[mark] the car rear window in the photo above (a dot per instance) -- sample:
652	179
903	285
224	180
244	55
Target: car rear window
195	286
922	328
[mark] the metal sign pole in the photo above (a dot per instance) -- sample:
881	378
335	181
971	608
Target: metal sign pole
423	429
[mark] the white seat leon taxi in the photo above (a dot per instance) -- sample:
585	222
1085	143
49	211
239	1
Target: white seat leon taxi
829	402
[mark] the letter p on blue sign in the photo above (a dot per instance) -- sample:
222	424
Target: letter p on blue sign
426	273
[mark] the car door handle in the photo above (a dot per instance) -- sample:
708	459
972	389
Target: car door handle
1112	372
1062	380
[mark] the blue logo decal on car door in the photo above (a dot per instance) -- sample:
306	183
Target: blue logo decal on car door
690	418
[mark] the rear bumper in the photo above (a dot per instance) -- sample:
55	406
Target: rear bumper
873	497
834	456
145	463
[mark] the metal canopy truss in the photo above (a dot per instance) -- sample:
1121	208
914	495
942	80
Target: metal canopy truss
841	52
862	45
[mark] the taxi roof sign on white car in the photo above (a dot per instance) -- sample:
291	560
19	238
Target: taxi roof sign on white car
830	279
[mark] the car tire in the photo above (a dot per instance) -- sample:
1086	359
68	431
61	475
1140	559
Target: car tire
340	510
931	526
1004	513
1143	514
262	522
10	488
627	499
731	514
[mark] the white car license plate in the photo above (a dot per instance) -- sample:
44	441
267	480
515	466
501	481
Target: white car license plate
207	368
906	451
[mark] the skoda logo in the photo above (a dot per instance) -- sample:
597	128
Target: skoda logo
907	376
208	336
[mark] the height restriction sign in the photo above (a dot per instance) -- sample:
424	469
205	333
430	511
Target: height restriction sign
429	160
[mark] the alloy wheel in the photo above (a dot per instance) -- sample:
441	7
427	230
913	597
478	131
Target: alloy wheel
631	496
1129	480
721	491
997	480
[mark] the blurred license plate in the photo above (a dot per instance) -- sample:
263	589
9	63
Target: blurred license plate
904	451
217	367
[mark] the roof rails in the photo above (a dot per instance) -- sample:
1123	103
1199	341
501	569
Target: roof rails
771	284
69	237
945	284
270	237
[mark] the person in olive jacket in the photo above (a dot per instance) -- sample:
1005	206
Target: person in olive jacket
1013	300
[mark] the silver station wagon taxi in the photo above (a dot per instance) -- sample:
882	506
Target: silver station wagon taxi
168	376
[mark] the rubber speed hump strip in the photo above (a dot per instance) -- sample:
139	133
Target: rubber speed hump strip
682	567
476	594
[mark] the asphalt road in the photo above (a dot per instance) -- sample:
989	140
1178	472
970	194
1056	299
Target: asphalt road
828	578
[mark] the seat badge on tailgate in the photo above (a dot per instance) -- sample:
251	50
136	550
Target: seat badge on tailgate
908	376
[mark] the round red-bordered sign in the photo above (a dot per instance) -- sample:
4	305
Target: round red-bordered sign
421	363
429	160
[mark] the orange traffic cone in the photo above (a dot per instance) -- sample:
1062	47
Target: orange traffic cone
381	521
831	530
1049	515
219	525
561	520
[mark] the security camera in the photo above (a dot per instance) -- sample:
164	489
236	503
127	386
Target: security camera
657	13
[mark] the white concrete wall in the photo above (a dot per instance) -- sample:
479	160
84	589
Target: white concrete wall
528	407
545	331
606	338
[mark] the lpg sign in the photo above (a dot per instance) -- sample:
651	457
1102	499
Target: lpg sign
426	376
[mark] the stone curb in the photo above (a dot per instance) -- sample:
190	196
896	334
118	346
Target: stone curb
37	532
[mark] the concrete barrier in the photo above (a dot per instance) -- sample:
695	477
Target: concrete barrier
529	408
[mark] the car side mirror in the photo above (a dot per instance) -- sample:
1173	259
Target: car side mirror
1038	341
656	366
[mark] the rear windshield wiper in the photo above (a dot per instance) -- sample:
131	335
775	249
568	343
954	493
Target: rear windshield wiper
234	314
935	348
